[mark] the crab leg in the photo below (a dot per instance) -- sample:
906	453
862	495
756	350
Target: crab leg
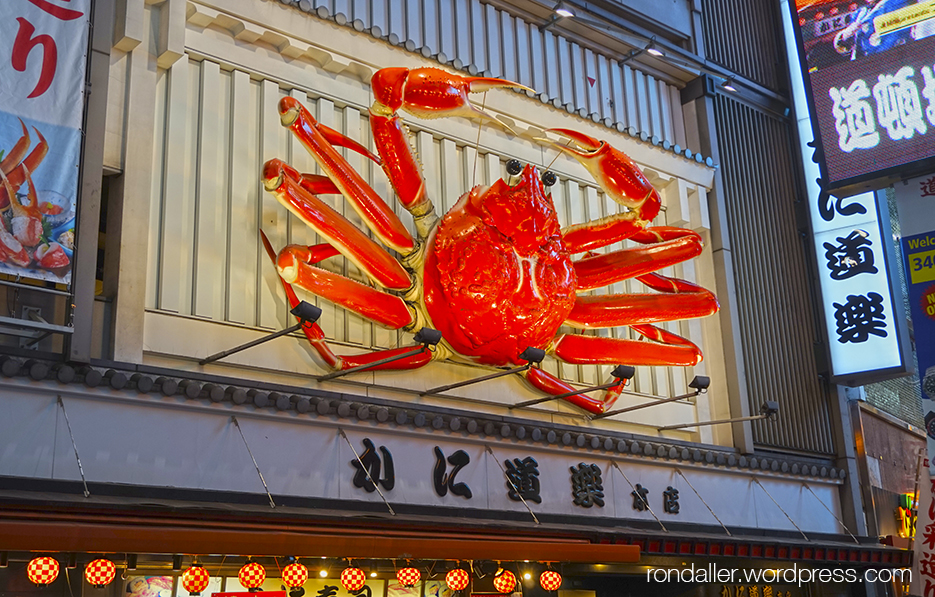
316	336
666	349
319	140
18	176
621	180
11	250
15	155
548	383
606	311
424	93
286	184
601	270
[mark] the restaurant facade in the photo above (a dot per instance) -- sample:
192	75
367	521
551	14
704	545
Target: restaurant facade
135	430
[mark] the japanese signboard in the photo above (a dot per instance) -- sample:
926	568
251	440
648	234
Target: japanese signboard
871	85
863	323
916	203
43	54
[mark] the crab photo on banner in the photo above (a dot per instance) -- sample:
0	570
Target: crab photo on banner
43	56
496	274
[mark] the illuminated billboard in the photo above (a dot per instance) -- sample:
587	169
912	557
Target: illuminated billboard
870	76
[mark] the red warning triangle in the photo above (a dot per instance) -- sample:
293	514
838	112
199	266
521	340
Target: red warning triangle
592	81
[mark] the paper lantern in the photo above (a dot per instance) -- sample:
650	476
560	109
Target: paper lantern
100	573
195	580
504	581
550	580
42	571
252	576
353	579
408	577
294	575
457	579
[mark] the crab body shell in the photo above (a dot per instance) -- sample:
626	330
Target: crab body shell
497	275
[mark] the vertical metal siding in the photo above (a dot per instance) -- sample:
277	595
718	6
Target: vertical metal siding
754	50
209	206
769	257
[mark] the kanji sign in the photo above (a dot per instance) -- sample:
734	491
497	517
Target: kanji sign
861	317
43	56
871	88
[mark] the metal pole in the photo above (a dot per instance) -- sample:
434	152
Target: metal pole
757	481
565	395
251	344
915	492
642	499
75	446
703	423
723	526
272	504
364	468
513	485
383	361
440	389
647	405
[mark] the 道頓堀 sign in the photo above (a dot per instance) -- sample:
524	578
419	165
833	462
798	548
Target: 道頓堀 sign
43	57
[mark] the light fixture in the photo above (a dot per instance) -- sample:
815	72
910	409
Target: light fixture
408	576
177	562
353	579
768	410
100	573
550	580
699	383
306	313
323	573
652	50
4	559
42	570
527	576
294	576
457	579
373	575
251	576
728	85
504	581
195	580
563	10
131	561
427	337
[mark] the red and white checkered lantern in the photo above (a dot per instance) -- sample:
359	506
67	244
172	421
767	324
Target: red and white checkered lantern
100	573
195	580
457	579
408	577
353	579
550	580
252	576
504	581
42	571
294	575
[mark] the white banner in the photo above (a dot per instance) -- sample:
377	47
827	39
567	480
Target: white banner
43	56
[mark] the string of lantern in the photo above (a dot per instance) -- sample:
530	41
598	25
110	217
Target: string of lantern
43	571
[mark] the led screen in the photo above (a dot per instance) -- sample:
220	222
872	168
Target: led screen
869	66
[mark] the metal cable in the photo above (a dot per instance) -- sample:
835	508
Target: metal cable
272	504
642	499
513	485
681	474
841	522
75	446
366	471
757	481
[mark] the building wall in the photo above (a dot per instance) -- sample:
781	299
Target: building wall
214	122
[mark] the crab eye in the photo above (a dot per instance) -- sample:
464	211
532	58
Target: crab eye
514	167
549	178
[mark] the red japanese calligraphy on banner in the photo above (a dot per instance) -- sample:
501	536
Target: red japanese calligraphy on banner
923	569
43	58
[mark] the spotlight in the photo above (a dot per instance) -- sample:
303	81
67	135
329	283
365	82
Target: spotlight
71	561
700	383
769	408
427	337
652	50
532	355
527	576
4	559
624	372
131	561
728	85
373	575
563	10
323	574
307	312
176	562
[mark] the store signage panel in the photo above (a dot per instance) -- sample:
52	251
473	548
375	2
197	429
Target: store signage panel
871	85
861	318
43	57
915	201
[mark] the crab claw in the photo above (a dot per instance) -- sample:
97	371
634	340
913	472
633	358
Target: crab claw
432	93
613	170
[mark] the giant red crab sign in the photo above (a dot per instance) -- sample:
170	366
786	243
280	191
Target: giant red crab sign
497	273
